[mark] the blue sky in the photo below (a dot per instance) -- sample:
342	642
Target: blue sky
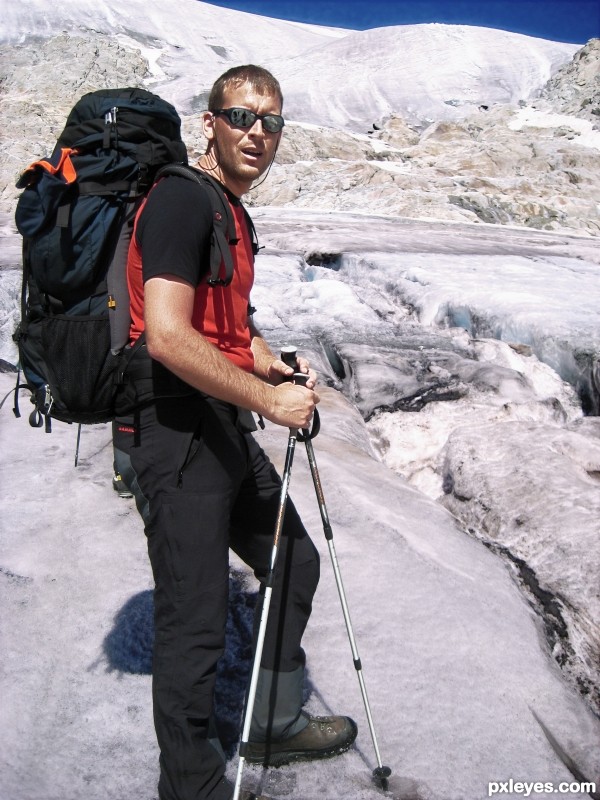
573	21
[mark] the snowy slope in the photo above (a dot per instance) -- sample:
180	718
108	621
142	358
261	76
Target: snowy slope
187	43
450	649
329	76
429	71
456	655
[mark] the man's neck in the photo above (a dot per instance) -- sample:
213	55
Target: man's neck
209	166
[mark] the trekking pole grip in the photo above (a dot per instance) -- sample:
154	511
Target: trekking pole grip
289	356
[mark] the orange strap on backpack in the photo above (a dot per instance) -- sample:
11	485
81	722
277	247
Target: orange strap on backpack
64	167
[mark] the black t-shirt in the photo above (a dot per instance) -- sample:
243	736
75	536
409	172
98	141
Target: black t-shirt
173	238
174	230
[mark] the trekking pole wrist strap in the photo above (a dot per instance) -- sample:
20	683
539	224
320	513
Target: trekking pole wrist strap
309	433
300	379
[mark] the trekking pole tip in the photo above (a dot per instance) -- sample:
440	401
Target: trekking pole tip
380	776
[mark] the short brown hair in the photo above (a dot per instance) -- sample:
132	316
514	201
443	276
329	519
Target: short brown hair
259	78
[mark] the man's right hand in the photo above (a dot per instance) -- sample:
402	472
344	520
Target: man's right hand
292	406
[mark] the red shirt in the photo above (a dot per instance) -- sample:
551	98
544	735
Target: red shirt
172	237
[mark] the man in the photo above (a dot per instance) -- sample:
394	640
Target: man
207	484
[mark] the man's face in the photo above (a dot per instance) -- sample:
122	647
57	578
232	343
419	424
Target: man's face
243	154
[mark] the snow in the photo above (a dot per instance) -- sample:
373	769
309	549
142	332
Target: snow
452	654
464	496
471	66
185	57
454	658
581	129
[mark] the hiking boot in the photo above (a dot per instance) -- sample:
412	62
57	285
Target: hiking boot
121	487
323	737
245	795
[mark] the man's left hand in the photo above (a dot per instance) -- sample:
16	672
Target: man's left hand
279	372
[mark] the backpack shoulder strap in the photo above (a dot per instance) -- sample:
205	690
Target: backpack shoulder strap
252	230
224	232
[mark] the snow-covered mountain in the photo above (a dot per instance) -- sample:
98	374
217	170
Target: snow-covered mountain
426	72
430	232
355	78
417	120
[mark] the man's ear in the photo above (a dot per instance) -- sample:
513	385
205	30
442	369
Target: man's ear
208	125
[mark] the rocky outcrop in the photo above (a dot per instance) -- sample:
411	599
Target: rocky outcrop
575	88
501	166
533	165
40	80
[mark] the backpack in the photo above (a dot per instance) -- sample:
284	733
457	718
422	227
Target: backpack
76	215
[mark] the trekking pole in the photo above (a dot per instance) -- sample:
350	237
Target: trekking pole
77	444
264	613
381	773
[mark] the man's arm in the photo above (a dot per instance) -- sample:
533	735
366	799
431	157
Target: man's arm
172	340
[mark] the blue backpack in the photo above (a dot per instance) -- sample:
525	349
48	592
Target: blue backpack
76	215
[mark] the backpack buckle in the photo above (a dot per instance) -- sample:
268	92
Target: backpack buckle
110	118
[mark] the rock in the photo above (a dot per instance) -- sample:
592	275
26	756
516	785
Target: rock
39	86
397	133
575	88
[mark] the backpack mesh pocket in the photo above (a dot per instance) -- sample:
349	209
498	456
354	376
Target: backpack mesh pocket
81	367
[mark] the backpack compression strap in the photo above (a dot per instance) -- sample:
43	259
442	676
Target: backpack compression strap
224	232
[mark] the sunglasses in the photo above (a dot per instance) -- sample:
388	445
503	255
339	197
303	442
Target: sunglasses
244	118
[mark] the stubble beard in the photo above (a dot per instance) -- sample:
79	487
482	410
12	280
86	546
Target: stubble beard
230	165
